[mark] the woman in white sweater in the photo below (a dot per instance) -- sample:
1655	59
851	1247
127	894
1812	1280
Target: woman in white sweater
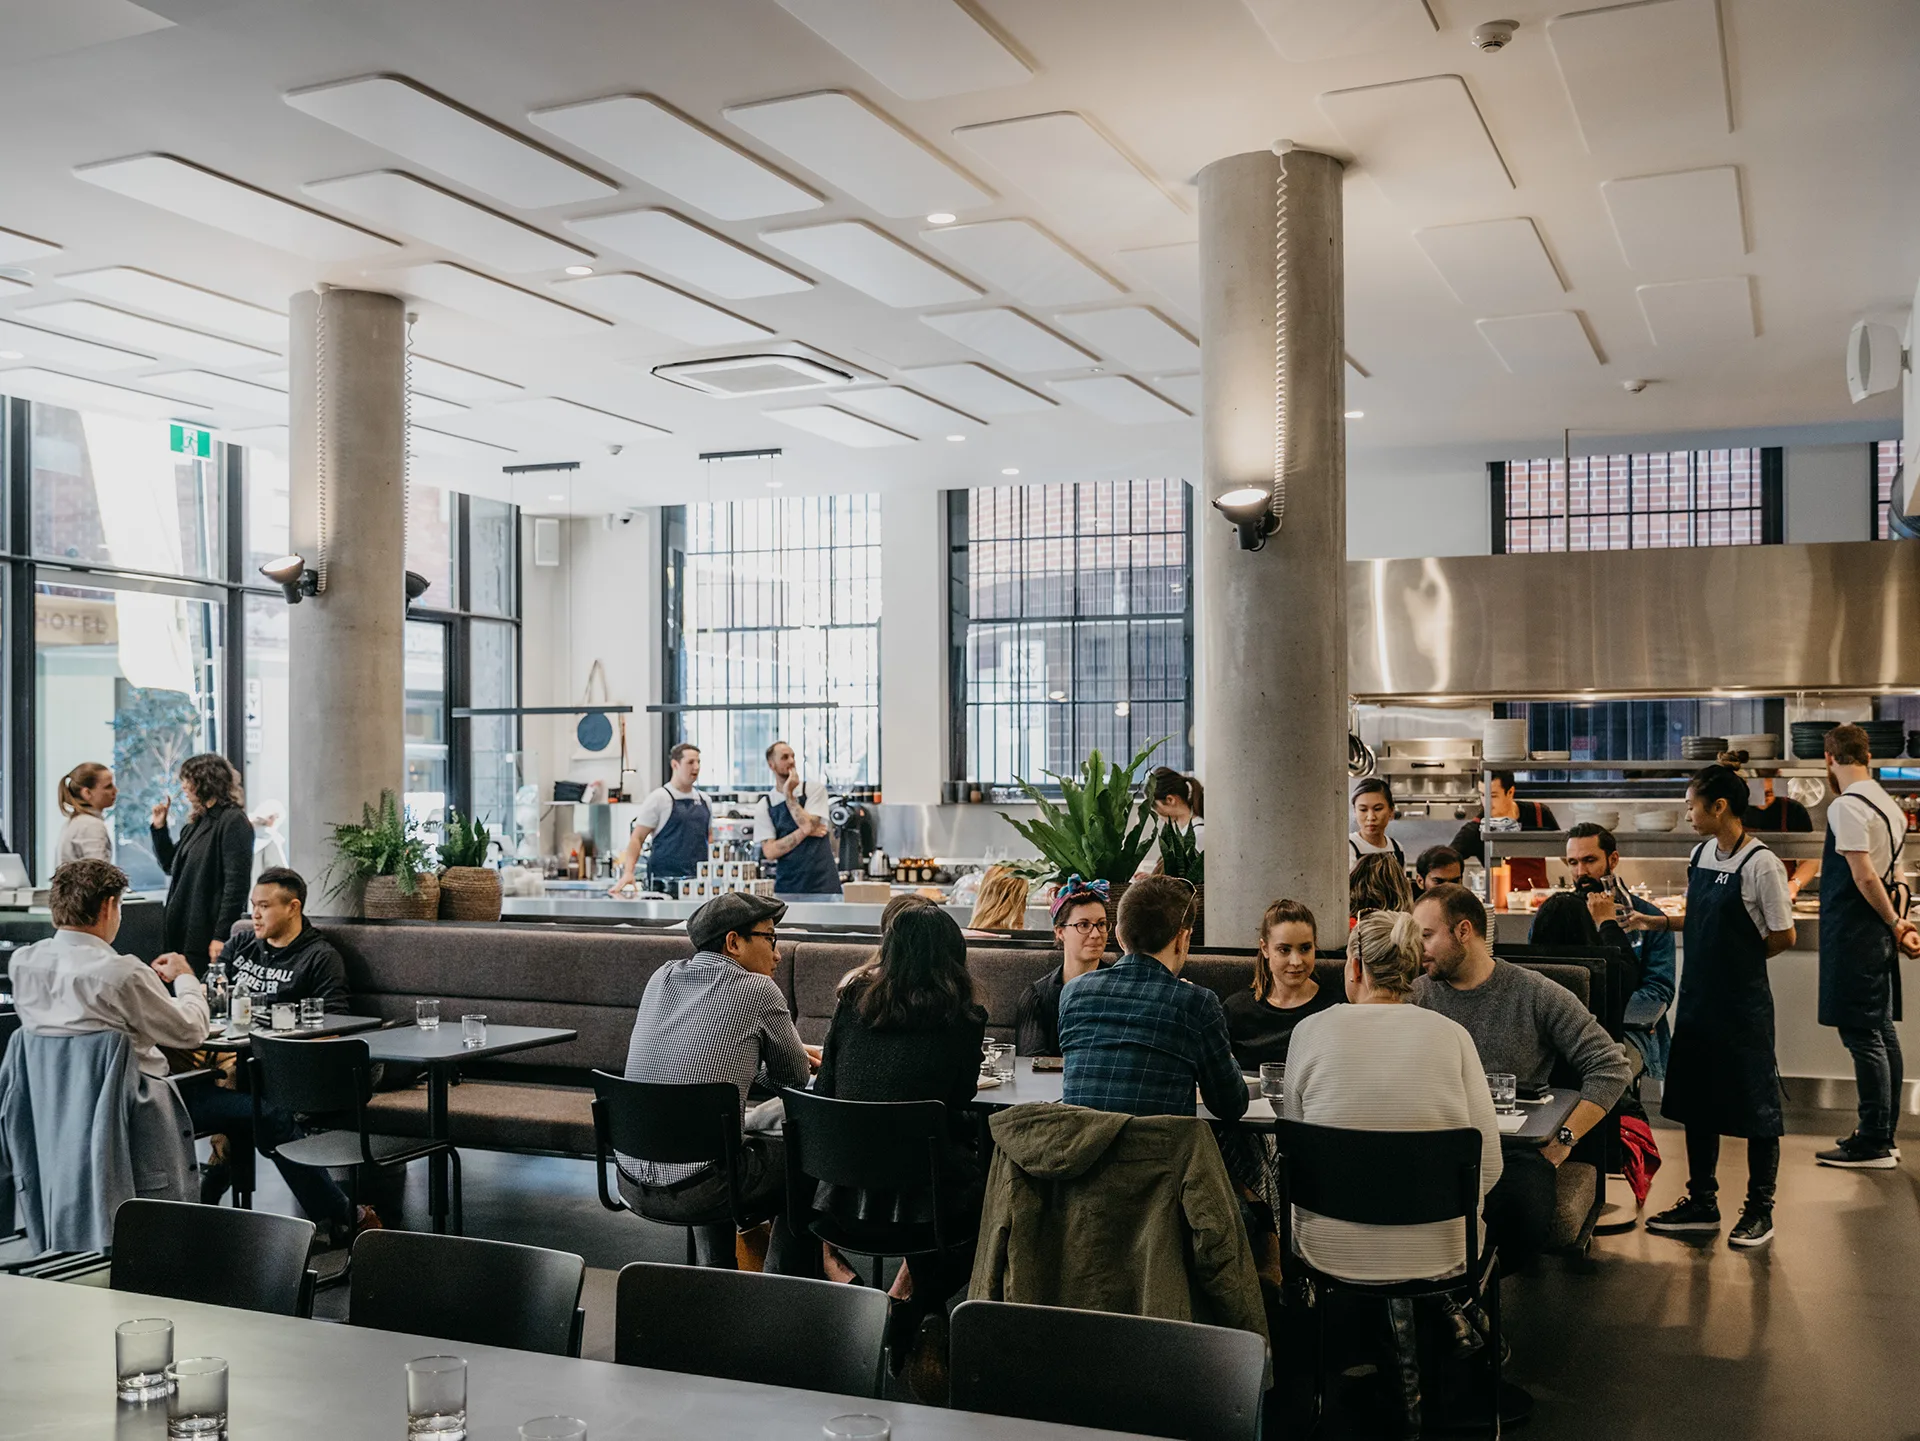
86	794
1382	1065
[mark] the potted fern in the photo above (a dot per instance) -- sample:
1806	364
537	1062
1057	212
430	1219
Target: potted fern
385	857
1102	833
469	887
1180	855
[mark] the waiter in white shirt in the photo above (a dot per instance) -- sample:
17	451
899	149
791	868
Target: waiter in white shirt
679	820
1372	809
1862	933
790	827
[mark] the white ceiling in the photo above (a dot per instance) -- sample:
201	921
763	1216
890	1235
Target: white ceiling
1786	129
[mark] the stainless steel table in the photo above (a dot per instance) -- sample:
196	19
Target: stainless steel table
296	1380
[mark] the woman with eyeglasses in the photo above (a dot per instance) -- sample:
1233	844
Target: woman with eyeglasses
1080	926
1260	1020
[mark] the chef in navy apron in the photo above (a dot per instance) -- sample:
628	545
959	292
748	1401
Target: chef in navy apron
1722	1079
678	818
791	830
1860	931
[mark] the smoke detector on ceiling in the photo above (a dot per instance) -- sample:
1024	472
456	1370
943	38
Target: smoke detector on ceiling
1494	35
735	375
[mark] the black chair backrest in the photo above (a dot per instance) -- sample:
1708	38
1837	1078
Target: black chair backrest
750	1326
1382	1178
253	1260
487	1293
865	1145
671	1124
316	1077
1091	1368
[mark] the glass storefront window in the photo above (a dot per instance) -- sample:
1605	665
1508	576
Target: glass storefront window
490	556
426	721
430	544
493	742
265	494
108	490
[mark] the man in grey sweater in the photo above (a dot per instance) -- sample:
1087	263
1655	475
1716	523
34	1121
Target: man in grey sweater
1521	1022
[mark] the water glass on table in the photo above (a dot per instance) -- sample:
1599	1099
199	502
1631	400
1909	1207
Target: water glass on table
554	1428
858	1426
142	1351
436	1398
426	1015
313	1013
1273	1080
197	1405
997	1059
1506	1093
473	1032
286	1016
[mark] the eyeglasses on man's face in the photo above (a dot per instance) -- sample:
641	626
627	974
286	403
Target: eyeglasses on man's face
1088	928
771	937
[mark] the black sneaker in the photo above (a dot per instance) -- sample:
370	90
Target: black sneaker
1755	1228
1857	1142
1691	1215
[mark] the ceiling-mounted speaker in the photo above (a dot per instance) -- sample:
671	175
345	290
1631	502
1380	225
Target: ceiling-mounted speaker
546	540
1875	359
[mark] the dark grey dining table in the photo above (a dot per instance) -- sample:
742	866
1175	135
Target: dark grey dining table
295	1380
335	1024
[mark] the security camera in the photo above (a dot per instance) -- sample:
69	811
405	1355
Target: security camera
615	449
1494	35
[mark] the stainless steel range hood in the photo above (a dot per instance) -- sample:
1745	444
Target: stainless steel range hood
1768	619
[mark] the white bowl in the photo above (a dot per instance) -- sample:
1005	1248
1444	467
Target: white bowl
1606	817
1656	820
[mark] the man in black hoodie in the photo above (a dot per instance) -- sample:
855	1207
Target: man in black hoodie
285	954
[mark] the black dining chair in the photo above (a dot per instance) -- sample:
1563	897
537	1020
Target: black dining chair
332	1079
1093	1368
486	1293
252	1260
1390	1178
750	1326
674	1125
240	1150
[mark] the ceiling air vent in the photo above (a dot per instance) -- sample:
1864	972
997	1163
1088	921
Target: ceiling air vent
751	374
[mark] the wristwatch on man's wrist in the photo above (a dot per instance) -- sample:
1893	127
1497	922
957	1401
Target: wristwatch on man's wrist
1565	1137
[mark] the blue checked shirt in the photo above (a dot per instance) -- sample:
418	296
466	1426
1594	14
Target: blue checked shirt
1138	1039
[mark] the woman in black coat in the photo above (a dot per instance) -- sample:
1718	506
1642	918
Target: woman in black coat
211	865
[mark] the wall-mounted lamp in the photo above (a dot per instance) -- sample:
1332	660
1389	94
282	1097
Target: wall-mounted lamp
291	574
417	585
1250	508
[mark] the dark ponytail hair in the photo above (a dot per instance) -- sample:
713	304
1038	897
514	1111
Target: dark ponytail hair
1164	781
1721	783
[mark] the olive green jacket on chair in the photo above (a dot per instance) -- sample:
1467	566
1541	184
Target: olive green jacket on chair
1106	1212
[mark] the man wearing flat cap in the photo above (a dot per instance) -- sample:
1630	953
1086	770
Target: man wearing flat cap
719	1016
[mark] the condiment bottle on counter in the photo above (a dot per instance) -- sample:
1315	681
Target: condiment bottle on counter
1500	884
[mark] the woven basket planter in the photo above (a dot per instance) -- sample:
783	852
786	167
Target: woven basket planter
469	893
384	900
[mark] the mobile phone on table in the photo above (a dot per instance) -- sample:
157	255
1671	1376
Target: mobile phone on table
1049	1063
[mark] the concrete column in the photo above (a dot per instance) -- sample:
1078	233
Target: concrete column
1273	623
913	646
347	689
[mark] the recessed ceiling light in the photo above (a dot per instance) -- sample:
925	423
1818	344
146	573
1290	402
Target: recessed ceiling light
775	484
556	498
956	437
940	217
1123	709
1010	470
579	270
1056	695
1355	414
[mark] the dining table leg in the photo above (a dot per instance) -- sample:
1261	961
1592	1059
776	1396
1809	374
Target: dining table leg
437	1130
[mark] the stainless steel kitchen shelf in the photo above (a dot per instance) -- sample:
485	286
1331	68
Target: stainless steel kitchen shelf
1662	845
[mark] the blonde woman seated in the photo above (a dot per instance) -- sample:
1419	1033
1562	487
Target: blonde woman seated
1001	904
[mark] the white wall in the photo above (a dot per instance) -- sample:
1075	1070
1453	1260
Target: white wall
913	646
1417	503
1827	490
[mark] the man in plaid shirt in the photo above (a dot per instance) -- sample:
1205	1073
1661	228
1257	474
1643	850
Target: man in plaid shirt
1138	1039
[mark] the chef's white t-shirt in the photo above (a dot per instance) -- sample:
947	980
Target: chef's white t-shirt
1850	816
814	799
656	806
1763	882
1359	847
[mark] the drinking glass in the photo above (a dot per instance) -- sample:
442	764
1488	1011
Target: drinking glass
313	1012
554	1428
1000	1059
858	1426
142	1351
286	1016
426	1015
436	1398
197	1405
473	1032
1506	1092
1273	1079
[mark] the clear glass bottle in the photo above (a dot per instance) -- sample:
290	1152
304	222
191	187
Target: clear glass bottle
240	1012
218	995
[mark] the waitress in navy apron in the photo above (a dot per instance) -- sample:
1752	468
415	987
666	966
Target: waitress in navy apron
792	836
1722	1078
678	818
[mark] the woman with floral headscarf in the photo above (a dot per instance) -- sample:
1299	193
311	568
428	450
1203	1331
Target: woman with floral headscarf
1080	926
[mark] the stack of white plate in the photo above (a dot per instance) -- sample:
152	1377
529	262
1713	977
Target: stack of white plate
1758	747
1656	819
1503	741
1607	817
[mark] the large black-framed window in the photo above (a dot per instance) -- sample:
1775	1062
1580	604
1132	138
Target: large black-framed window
1072	625
1886	475
1641	501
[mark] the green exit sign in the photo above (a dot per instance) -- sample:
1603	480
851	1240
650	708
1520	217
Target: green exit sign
191	440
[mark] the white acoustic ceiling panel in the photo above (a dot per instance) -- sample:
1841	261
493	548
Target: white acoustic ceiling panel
1023	260
848	143
1183	388
1689	220
689	252
1494	264
1423	141
412	207
1699	314
872	262
458	383
10	286
120	327
1552	342
1305	30
421	406
15	247
1061	160
1139	338
189	304
79	393
844	426
1172	270
1119	398
1010	338
1645	76
458	288
406	119
422	441
222	390
979	390
52	348
650	139
908	410
38	31
662	308
575	419
213	199
918	49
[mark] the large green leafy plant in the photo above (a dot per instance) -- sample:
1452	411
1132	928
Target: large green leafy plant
1102	832
464	841
384	843
1180	854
